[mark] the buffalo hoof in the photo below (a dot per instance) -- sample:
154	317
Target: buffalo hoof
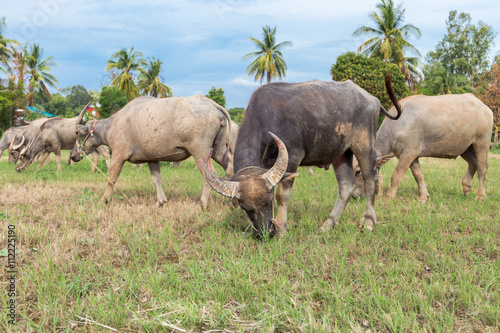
324	229
328	225
280	233
423	199
160	203
280	227
365	225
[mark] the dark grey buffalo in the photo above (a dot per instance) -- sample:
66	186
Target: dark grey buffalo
8	136
309	124
439	126
54	135
150	130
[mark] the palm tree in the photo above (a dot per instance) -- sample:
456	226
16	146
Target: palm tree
269	59
390	40
38	71
17	70
150	81
446	83
5	52
127	62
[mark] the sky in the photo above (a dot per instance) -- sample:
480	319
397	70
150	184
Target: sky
201	42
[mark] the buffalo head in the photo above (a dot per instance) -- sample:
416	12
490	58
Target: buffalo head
28	153
88	145
253	188
16	143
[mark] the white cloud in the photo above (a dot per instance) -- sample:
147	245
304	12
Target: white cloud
244	82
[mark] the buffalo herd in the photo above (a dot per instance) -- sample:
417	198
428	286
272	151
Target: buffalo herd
286	125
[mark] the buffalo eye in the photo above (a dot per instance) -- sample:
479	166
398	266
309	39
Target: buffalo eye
358	172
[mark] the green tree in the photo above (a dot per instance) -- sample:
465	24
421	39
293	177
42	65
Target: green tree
369	73
439	81
7	106
76	97
150	82
217	95
237	115
465	48
5	52
39	76
389	41
111	100
16	75
58	106
127	63
269	60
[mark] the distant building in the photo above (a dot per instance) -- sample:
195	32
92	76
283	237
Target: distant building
17	118
92	112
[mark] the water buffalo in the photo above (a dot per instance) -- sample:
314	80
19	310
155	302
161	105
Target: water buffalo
150	130
313	124
21	140
54	134
440	126
8	137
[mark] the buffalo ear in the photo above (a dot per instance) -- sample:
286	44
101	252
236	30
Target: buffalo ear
82	129
383	160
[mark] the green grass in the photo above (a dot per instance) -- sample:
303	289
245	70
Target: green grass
430	267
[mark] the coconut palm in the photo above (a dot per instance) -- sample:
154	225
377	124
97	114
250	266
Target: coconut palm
446	83
389	41
5	52
38	71
17	71
124	67
150	81
269	60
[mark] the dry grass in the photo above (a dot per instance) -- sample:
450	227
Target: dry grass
88	267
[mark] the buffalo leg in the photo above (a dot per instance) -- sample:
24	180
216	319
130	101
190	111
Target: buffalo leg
154	168
95	157
104	152
470	157
419	177
482	166
404	163
283	194
199	160
42	159
369	173
114	172
347	184
57	152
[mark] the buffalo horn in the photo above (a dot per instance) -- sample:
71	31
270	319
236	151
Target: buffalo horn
18	145
274	175
220	185
79	120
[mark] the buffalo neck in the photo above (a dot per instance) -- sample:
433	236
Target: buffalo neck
102	129
247	152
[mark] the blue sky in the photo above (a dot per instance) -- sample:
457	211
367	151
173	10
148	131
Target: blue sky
201	43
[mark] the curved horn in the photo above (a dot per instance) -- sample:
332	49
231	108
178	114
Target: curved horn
274	175
220	185
80	117
18	145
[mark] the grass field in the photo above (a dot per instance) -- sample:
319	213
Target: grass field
86	267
